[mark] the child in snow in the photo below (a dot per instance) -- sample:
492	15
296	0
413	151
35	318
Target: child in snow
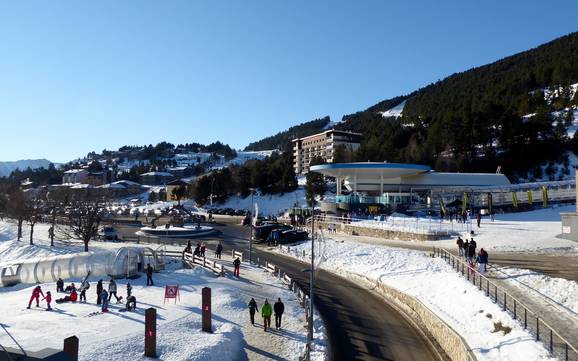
60	285
48	299
83	287
128	291
131	303
36	292
104	300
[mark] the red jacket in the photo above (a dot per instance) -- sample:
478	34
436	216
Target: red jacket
48	298
73	296
37	292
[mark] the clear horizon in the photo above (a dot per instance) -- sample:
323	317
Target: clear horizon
81	77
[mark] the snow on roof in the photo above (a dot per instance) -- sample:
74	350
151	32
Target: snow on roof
157	174
73	171
176	168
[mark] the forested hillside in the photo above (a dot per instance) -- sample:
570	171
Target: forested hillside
513	112
282	140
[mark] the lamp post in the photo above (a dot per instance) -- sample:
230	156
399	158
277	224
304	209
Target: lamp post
251	227
311	286
212	183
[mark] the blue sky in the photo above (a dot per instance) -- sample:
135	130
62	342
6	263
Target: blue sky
79	76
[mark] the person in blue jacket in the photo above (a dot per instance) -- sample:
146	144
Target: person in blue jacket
482	260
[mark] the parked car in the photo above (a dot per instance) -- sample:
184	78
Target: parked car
293	235
262	232
108	233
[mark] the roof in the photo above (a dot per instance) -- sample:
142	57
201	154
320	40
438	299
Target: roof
73	171
178	182
157	174
325	132
369	169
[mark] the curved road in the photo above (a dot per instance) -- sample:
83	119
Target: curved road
360	325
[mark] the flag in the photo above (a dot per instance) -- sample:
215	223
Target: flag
442	207
465	202
514	200
545	196
530	197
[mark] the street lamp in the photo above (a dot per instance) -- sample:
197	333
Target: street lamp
251	225
212	183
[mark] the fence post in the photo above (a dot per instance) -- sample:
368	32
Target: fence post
206	317
515	314
496	294
151	332
551	342
71	347
525	318
487	288
537	328
505	300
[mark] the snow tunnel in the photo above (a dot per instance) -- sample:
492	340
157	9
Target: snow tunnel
124	262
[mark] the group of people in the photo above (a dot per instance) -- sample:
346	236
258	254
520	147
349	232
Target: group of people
266	312
201	248
103	297
467	249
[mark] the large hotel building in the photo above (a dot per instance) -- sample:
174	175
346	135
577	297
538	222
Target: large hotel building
322	145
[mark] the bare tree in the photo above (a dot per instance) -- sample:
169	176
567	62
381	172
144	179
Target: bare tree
56	200
87	208
33	207
16	208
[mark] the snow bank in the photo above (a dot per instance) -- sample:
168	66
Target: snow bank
432	281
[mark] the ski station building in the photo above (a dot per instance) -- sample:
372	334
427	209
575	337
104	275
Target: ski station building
376	187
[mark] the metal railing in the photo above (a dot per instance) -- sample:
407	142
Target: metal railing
531	321
426	226
15	342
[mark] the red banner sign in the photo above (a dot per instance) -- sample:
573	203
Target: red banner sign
172	291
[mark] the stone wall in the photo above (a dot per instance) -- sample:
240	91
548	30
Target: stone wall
380	233
452	344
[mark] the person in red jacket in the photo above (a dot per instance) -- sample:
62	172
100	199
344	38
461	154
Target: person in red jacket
73	296
48	299
35	296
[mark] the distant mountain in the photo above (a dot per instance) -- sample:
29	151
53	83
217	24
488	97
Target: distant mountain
8	167
282	140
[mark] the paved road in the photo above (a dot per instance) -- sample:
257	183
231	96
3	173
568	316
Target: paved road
360	325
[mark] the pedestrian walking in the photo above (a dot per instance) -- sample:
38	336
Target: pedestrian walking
150	275
112	291
479	218
197	250
266	312
252	309
471	252
36	293
482	260
465	249
203	248
460	243
48	299
219	250
278	308
99	289
237	265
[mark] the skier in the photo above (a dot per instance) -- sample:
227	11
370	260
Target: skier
104	300
60	285
149	275
36	292
99	289
460	243
279	308
128	291
83	287
112	291
219	250
48	299
237	264
252	308
266	312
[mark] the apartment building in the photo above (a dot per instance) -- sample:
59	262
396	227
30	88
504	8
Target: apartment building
322	145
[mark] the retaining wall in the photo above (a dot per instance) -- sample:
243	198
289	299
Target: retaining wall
381	233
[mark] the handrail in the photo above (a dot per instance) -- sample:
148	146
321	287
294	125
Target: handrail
456	262
15	342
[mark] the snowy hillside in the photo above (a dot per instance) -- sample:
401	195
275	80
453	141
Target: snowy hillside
8	167
396	111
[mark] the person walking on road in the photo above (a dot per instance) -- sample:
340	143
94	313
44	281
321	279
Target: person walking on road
460	243
278	308
266	312
219	250
149	275
471	251
36	293
252	309
237	264
465	249
479	218
203	248
99	289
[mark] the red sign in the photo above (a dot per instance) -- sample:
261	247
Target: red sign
172	292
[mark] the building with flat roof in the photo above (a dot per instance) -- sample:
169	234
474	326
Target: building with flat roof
75	176
394	184
321	145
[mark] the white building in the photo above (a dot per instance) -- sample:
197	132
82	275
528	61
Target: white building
75	176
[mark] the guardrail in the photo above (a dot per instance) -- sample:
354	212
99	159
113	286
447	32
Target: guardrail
15	342
415	225
191	259
554	342
236	254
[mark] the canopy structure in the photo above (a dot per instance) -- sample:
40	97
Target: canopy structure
372	177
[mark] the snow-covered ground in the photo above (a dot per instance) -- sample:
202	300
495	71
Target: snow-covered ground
460	304
118	335
396	111
560	292
269	204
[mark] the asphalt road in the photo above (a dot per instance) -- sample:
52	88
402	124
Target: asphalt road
360	325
